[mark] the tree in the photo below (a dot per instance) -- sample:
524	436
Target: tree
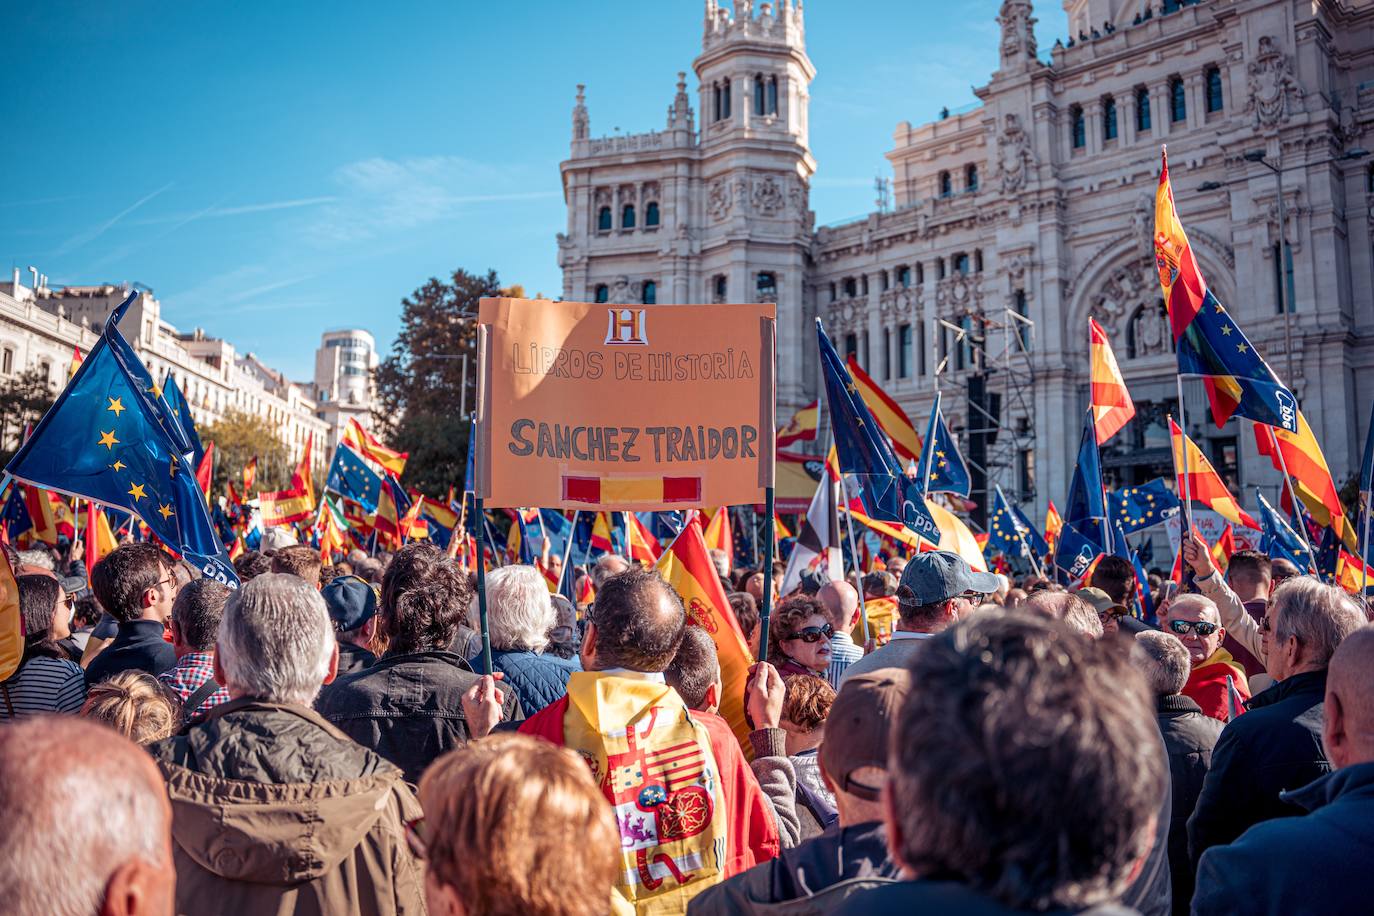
420	385
238	436
24	399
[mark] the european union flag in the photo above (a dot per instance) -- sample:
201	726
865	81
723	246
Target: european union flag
865	452
1074	553
1238	380
557	528
108	439
1086	507
664	525
181	415
943	467
1011	532
1138	508
351	478
582	537
16	514
1280	541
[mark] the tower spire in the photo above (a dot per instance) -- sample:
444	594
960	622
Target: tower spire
581	122
1018	34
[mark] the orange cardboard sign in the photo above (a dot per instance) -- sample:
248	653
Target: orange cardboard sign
645	407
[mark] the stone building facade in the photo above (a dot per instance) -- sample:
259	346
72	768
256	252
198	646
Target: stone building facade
1014	222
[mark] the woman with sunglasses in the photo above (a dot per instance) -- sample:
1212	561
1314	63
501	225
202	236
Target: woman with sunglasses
799	637
1194	619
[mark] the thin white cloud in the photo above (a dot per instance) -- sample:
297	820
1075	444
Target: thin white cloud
215	211
90	235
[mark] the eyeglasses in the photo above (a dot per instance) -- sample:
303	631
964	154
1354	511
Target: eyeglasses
1200	627
1109	615
69	601
415	838
814	634
1265	626
973	597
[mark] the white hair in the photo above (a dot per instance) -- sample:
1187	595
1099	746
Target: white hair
39	557
1206	606
520	613
275	640
721	560
1319	615
1164	661
77	807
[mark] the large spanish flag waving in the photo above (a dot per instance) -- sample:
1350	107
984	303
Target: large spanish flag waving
1204	484
686	566
1112	406
1307	470
889	415
719	535
368	445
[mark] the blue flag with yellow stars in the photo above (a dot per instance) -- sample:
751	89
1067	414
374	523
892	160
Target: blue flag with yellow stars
350	477
865	453
1138	508
109	438
181	415
1280	541
1011	532
16	516
941	464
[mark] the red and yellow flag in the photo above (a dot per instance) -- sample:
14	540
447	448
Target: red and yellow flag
889	415
387	523
687	567
1307	470
100	540
285	507
300	477
1111	402
1223	548
75	364
40	511
1053	524
331	529
1179	275
802	426
1204	484
371	447
601	533
205	469
644	547
250	475
1351	574
719	535
11	625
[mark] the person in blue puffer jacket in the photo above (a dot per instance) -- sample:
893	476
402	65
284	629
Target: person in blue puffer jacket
520	615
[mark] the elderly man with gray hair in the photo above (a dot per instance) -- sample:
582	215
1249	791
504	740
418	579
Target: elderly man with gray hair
520	616
1217	682
276	810
1277	745
1189	736
86	822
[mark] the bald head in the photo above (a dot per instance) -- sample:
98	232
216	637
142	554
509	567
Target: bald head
841	602
1349	727
86	821
610	564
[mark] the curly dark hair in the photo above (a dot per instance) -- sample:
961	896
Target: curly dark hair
425	597
1014	709
786	620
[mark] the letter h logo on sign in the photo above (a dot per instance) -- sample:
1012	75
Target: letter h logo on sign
626	327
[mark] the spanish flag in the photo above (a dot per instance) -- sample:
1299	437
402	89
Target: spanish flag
601	533
719	535
285	507
331	527
687	567
1351	573
40	511
100	540
802	426
386	522
11	625
75	364
1307	471
888	413
882	619
1112	407
644	547
1224	547
250	475
300	478
1053	524
1204	484
205	469
371	447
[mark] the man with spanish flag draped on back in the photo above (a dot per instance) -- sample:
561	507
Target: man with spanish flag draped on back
689	810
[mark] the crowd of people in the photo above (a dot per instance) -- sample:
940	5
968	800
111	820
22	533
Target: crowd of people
927	738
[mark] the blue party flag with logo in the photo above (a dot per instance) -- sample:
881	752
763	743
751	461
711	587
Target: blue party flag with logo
109	438
1086	508
1138	508
865	453
943	468
350	477
181	415
1074	553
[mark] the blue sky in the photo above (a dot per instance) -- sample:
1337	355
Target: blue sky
272	170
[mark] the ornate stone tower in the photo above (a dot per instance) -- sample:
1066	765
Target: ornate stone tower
754	236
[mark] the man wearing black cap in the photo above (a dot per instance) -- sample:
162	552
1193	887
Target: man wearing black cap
353	610
853	856
937	589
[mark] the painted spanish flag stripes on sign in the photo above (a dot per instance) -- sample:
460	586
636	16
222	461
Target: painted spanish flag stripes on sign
631	490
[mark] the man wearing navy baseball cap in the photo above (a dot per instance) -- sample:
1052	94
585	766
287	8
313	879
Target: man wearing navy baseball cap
937	589
352	607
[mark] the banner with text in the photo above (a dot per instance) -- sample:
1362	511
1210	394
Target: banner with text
646	407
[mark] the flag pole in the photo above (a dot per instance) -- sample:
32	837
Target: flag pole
1183	429
567	550
1039	570
854	556
766	605
1364	548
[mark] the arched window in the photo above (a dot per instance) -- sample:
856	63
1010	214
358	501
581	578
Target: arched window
904	276
1142	110
946	185
971	177
768	286
651	213
772	95
1078	127
1109	118
650	296
1178	100
603	293
719	287
603	220
725	98
961	263
1212	75
627	217
758	94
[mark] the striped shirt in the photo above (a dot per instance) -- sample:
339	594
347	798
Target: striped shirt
843	653
44	685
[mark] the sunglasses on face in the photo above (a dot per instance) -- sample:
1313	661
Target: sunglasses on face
1200	627
814	634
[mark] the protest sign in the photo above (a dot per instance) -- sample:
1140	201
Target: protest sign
596	406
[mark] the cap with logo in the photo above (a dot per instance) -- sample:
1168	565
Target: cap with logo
939	575
351	602
856	731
